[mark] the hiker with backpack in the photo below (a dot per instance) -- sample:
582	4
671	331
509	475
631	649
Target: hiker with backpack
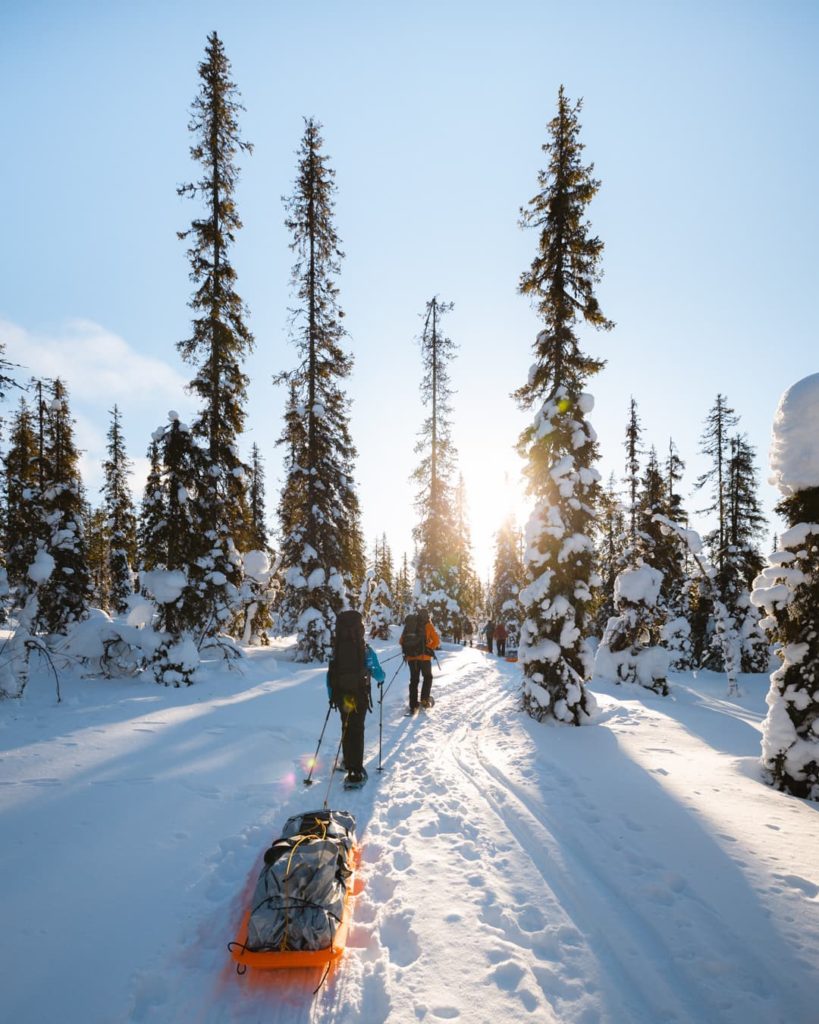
418	642
352	664
489	633
500	639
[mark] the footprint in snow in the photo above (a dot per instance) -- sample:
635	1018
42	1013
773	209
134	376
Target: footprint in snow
401	860
530	919
399	812
382	887
400	939
375	995
507	976
801	884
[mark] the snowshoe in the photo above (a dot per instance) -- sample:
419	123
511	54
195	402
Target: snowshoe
427	702
355	780
411	711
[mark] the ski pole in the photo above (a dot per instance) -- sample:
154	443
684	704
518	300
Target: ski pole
384	692
309	780
380	722
392	657
335	763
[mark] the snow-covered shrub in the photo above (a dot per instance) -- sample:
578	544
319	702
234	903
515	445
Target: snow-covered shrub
365	594
788	591
257	594
315	635
444	611
626	653
676	637
172	660
175	660
381	615
107	646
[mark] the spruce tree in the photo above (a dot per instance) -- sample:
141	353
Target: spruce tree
64	597
507	574
98	543
632	478
467	585
289	511
402	593
745	527
653	545
24	523
174	583
322	544
220	339
258	533
121	518
612	549
788	591
152	510
560	445
715	443
436	563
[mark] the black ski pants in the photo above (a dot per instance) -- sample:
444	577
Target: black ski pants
501	647
352	742
419	668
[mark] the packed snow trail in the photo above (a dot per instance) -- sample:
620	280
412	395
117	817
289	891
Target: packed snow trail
633	871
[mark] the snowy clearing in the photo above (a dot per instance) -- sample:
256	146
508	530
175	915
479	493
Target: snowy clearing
636	870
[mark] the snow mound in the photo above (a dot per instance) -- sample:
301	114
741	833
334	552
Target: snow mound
638	585
794	447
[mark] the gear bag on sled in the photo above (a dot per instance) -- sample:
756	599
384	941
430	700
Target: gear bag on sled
300	909
347	673
413	639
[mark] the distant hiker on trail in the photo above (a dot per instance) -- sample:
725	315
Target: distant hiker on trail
500	639
467	625
489	633
418	641
348	685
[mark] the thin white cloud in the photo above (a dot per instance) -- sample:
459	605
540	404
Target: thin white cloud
93	362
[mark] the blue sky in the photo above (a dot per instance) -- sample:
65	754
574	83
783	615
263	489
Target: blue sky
700	119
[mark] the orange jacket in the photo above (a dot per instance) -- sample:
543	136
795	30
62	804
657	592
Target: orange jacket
500	632
431	641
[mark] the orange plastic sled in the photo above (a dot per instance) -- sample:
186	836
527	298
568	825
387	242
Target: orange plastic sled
274	959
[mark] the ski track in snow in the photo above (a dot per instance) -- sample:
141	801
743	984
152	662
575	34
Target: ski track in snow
631	872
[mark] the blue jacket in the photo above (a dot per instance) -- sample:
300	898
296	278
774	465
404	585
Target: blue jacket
372	665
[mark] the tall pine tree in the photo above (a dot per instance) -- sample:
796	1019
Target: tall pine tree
322	544
64	597
23	521
220	339
257	532
507	574
715	442
121	518
560	445
436	563
632	478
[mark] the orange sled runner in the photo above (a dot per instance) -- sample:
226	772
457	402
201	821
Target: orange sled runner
299	913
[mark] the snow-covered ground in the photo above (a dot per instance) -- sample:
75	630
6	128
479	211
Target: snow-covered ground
636	870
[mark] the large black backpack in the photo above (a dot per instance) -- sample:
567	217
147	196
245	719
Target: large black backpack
348	675
413	639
